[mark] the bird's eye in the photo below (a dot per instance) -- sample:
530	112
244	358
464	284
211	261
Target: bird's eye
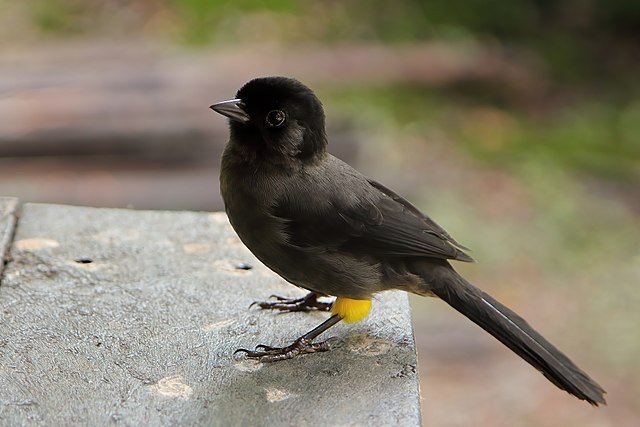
276	118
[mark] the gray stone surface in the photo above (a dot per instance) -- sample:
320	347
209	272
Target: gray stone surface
131	318
8	211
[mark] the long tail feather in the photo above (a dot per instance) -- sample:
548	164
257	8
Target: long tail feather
512	330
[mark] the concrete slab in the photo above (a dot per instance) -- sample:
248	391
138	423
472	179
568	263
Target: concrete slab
131	318
8	212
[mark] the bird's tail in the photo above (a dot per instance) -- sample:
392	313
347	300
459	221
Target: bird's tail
510	329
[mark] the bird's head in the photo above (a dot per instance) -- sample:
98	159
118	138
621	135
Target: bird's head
276	116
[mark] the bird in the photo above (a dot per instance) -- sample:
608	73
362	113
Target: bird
325	227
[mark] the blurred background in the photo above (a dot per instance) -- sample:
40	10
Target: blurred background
515	124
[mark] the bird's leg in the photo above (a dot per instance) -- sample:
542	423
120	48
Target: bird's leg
306	303
302	345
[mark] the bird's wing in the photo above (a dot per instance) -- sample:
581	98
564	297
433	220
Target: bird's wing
380	224
433	226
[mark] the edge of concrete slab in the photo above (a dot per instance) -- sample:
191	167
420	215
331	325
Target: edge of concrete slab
8	220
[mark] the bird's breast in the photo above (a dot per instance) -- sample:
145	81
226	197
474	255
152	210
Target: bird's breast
246	199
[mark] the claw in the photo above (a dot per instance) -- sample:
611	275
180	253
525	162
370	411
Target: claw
302	345
306	303
278	297
264	347
274	354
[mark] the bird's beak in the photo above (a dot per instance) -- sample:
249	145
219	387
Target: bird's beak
233	109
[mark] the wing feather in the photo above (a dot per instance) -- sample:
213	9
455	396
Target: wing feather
378	222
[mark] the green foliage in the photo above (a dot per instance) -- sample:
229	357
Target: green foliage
62	17
591	138
597	139
410	20
578	41
200	19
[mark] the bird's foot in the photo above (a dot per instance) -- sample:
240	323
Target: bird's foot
306	303
302	345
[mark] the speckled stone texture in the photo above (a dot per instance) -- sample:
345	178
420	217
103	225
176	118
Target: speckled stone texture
128	317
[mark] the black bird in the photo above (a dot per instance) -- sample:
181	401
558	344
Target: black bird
325	227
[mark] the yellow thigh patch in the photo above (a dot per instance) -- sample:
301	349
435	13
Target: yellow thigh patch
351	310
